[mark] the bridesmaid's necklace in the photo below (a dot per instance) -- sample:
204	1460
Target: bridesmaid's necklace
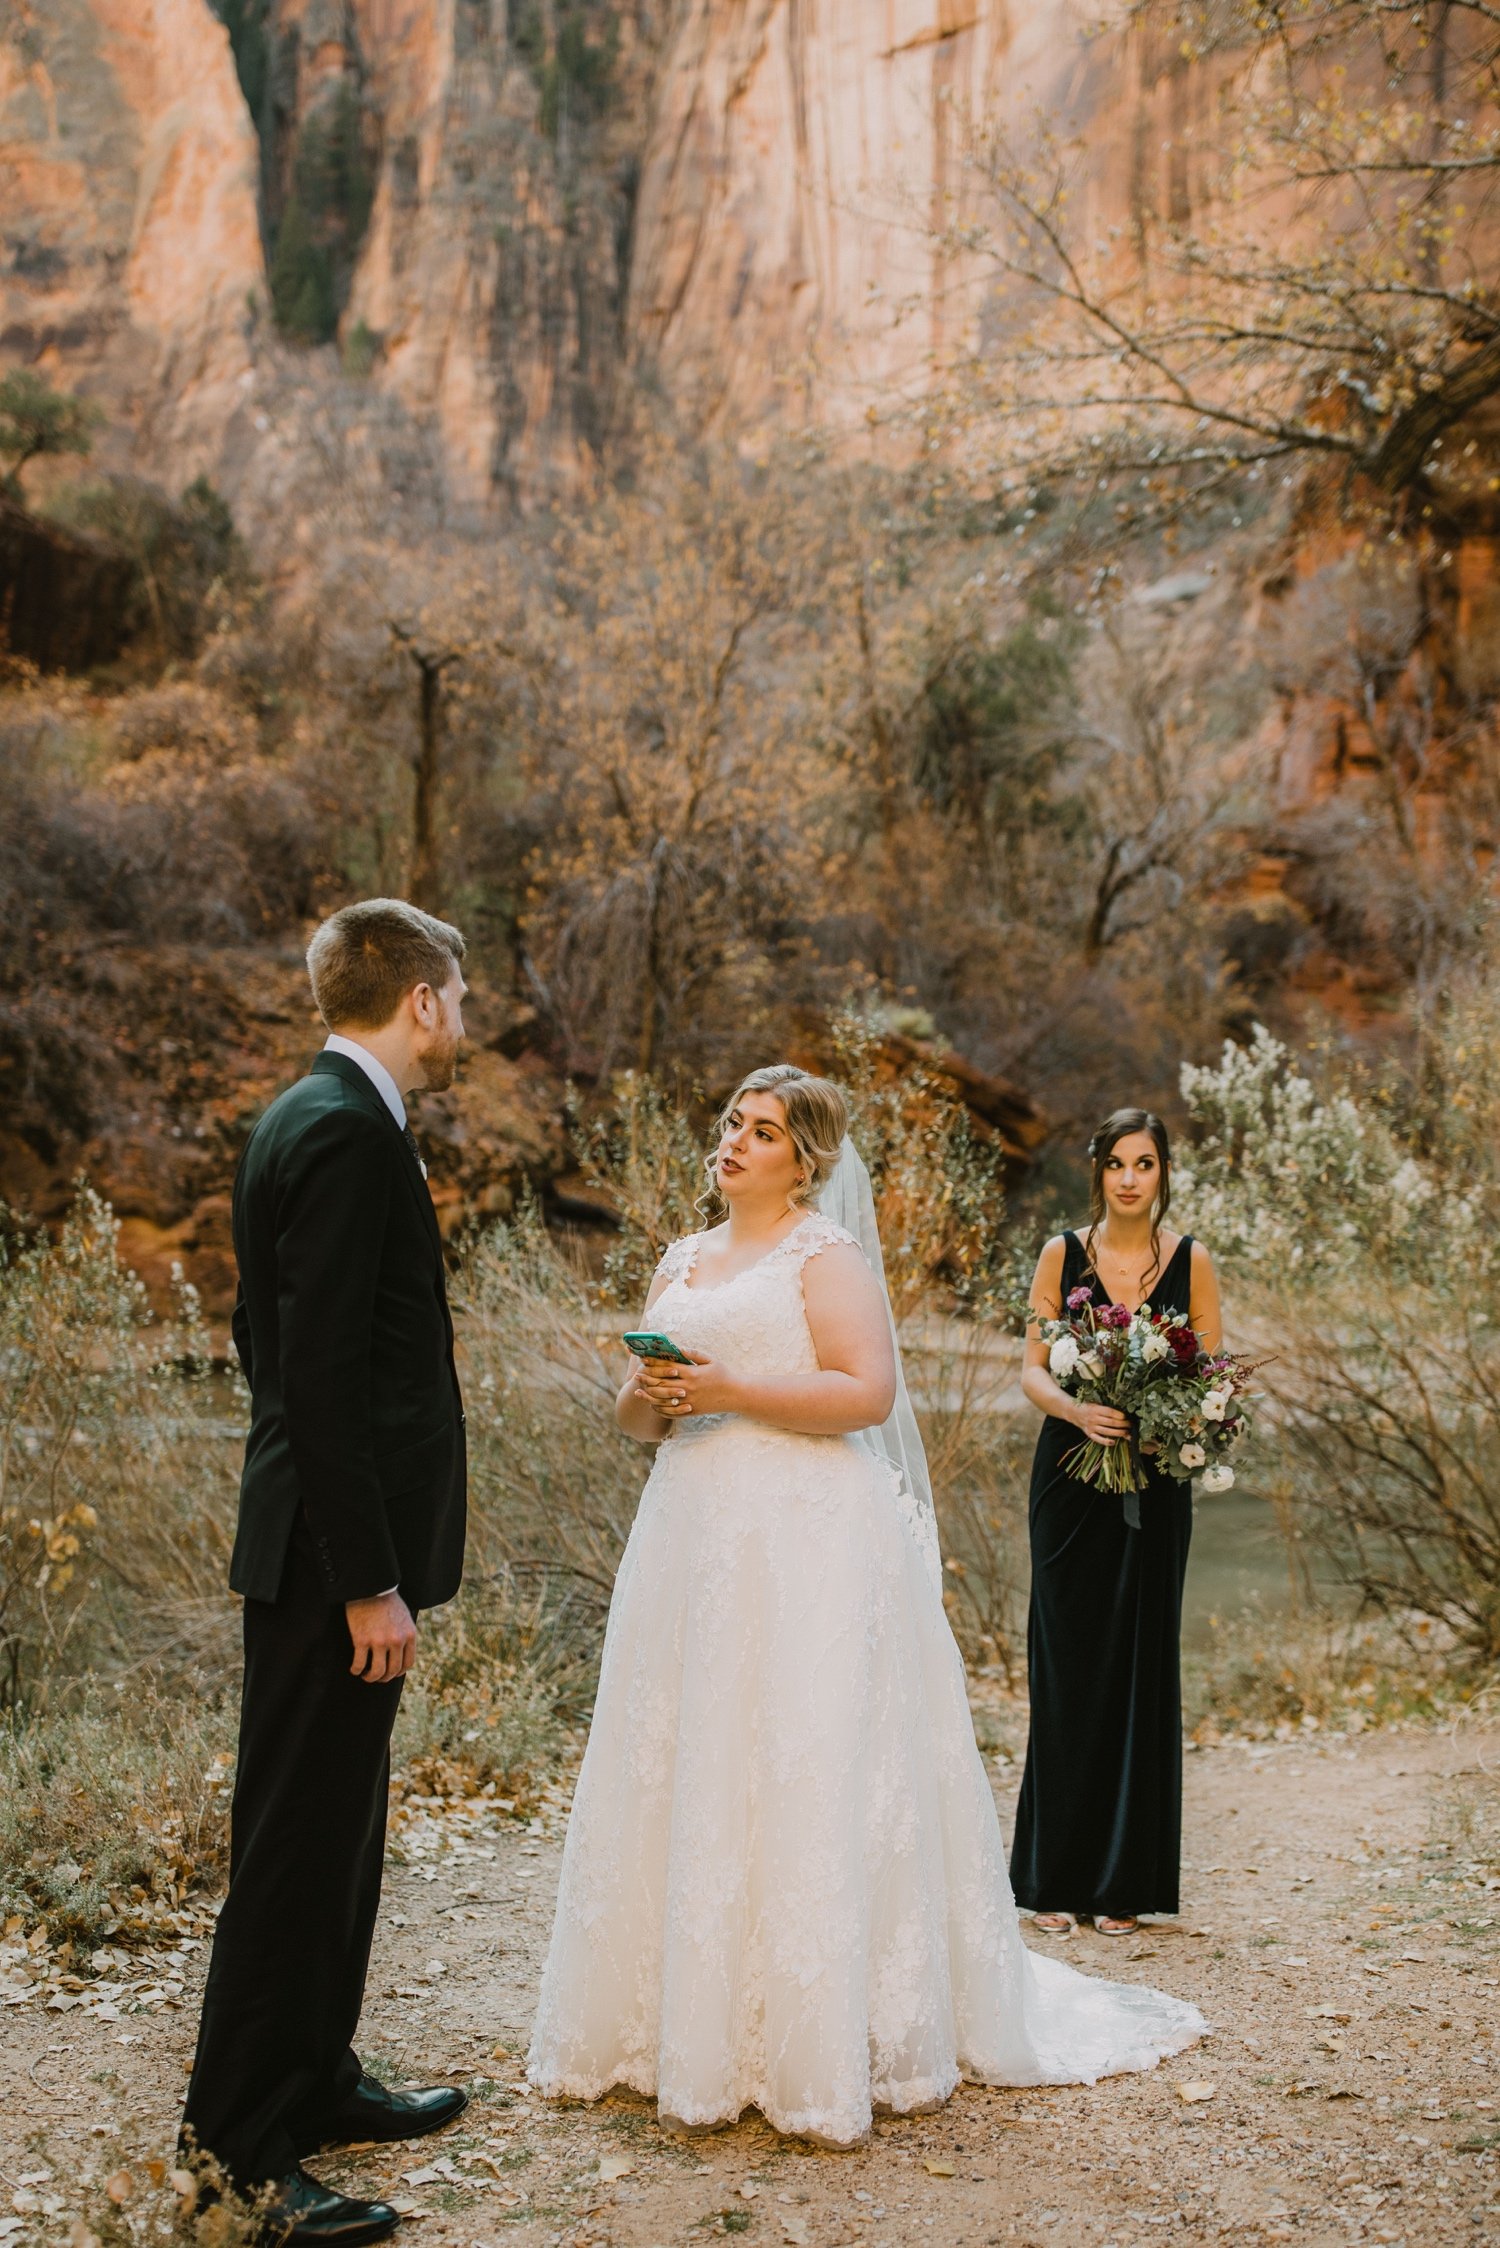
1133	1279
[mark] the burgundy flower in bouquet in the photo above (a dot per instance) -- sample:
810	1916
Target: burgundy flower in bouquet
1188	1408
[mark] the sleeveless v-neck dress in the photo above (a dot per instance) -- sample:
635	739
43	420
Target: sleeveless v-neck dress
1099	1822
784	1883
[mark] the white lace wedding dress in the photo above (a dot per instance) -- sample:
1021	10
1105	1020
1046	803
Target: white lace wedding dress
784	1884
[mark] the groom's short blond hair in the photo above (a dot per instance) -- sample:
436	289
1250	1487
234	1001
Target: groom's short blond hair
367	957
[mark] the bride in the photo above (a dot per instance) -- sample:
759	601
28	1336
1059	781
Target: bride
784	1885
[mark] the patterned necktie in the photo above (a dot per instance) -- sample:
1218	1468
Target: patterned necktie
410	1138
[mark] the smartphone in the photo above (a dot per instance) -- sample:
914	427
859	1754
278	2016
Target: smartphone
656	1346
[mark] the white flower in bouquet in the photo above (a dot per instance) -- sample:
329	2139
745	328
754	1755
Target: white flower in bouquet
1218	1478
1215	1404
1192	1455
1063	1357
1091	1368
1155	1347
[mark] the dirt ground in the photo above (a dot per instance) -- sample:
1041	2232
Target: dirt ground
1341	1931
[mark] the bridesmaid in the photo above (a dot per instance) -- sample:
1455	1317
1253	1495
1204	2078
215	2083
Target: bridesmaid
1099	1823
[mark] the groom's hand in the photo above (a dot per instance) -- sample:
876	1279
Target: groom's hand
384	1636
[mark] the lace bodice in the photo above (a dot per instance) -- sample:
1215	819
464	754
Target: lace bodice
756	1321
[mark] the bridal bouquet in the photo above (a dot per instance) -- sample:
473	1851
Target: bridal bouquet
1191	1410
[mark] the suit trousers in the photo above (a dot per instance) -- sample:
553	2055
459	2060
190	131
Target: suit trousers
286	1978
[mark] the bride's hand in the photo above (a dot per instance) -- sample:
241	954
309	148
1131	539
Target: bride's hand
643	1382
681	1391
1101	1424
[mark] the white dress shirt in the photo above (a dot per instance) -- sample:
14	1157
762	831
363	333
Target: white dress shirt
379	1076
386	1086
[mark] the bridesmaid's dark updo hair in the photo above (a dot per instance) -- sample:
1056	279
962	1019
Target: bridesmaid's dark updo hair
1120	1126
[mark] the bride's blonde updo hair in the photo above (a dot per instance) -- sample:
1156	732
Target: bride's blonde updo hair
817	1118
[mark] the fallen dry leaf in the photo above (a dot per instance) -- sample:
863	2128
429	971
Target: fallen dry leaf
750	2191
120	2188
938	2169
1195	2090
612	2166
489	2162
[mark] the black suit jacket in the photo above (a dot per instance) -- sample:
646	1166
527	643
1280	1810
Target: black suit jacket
343	1329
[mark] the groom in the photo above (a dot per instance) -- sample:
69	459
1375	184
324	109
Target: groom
351	1522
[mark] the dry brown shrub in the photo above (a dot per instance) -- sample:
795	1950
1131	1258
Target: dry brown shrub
180	718
114	1814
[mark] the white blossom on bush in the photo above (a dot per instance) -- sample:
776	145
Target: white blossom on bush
1283	1180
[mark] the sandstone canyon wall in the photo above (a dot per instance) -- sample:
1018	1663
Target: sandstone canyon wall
806	160
490	278
749	203
480	330
739	199
132	254
800	160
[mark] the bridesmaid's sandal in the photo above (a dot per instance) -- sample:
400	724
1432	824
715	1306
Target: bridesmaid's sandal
1106	1924
1054	1923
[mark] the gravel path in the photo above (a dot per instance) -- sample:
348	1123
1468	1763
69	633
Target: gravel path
1341	1931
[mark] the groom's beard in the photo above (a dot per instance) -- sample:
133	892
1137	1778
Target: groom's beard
439	1063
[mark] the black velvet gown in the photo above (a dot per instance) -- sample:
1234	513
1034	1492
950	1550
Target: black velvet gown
1099	1822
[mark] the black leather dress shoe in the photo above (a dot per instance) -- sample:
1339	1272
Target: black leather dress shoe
374	2111
303	2211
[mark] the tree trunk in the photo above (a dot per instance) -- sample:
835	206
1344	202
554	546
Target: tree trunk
645	1050
1403	451
422	882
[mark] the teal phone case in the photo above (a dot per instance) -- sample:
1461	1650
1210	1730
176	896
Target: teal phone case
648	1345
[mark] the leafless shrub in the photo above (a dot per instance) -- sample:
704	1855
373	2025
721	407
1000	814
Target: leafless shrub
114	1489
218	853
1361	1250
554	1481
979	1454
1310	1670
503	1673
1394	1441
